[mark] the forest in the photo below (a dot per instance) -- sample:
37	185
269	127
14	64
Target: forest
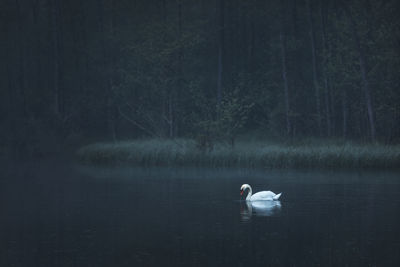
207	70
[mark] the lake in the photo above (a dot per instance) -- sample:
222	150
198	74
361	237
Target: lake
62	214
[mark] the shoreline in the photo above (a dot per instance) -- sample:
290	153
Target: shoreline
251	154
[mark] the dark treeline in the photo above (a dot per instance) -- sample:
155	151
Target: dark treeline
117	69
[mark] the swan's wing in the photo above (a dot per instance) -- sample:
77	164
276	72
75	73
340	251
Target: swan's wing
276	197
263	195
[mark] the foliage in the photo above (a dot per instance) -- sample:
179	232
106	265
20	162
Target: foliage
231	116
131	69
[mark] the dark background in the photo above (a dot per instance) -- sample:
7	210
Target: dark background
74	71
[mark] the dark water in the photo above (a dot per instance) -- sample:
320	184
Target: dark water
54	214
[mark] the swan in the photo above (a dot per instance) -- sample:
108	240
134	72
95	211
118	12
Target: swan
260	196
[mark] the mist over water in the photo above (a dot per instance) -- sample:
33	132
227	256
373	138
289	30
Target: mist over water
61	214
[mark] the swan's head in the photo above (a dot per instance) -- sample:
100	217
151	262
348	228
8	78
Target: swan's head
243	188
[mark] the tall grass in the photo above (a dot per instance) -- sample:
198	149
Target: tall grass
183	152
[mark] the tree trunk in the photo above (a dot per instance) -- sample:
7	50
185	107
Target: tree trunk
171	116
220	51
344	114
112	114
178	93
364	77
314	67
325	75
21	64
297	75
164	11
251	46
333	111
285	83
327	109
108	69
56	63
85	72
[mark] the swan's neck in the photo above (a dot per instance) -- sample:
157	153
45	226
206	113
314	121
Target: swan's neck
249	194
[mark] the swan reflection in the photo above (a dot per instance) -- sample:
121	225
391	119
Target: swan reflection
259	208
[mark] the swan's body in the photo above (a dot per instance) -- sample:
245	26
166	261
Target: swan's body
260	196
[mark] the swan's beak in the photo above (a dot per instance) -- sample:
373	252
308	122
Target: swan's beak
241	191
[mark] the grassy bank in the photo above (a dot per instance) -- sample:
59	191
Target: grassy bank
245	154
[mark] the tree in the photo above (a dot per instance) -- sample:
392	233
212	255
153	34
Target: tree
221	47
363	70
314	67
285	83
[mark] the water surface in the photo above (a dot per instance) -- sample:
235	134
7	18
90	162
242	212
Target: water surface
61	214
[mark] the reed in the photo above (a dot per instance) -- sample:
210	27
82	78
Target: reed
253	154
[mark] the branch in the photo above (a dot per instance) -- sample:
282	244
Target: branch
136	123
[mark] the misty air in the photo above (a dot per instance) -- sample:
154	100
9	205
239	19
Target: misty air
199	133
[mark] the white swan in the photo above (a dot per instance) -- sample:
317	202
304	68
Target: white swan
260	196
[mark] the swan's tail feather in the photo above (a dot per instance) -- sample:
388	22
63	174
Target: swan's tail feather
276	197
